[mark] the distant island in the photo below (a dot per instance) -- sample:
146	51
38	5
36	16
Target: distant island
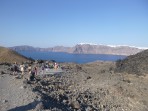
85	49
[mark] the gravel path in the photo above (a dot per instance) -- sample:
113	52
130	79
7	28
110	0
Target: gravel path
14	96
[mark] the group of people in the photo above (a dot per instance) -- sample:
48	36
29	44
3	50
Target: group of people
32	71
49	66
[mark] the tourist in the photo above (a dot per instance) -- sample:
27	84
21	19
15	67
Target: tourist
42	67
55	65
15	68
32	74
29	68
35	69
22	68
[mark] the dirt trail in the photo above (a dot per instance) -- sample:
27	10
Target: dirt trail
14	96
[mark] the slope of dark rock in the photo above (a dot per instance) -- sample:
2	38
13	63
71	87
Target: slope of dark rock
93	87
80	87
137	64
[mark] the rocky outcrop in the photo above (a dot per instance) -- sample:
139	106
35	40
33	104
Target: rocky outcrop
80	87
92	87
135	64
102	49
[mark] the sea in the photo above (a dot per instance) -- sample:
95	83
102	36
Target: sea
68	57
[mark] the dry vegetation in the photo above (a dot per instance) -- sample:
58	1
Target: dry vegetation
10	56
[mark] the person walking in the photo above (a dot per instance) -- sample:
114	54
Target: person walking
36	70
32	74
42	67
55	66
22	68
29	68
15	68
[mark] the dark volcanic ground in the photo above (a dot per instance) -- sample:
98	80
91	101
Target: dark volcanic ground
86	87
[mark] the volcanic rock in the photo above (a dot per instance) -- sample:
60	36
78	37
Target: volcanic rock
134	64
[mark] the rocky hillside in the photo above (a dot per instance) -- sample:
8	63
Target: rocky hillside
79	87
51	49
10	56
137	64
85	49
103	49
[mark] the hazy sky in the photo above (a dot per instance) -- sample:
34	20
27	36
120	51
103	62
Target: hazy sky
47	23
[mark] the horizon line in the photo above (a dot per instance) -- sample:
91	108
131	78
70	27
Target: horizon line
84	44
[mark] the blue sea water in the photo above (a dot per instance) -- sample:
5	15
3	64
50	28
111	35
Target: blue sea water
67	57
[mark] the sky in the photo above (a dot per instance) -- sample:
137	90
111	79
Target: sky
48	23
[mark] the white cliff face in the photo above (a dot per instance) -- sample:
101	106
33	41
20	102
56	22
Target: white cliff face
127	46
114	46
90	48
